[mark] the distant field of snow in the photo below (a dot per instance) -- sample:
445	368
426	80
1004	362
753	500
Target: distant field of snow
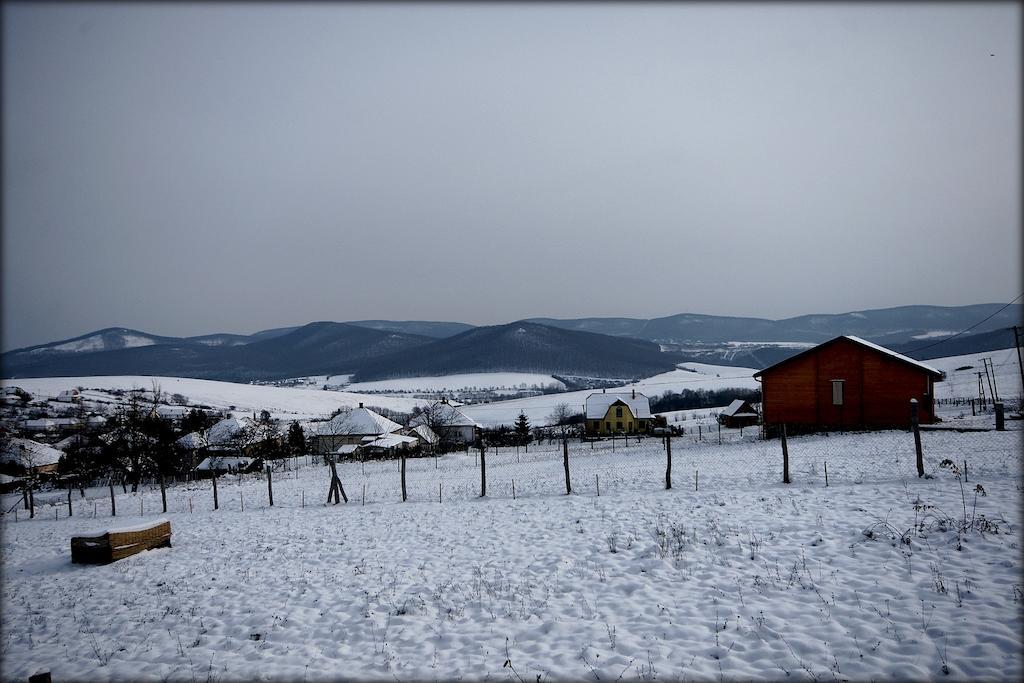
281	402
539	408
934	333
467	381
964	383
745	579
781	345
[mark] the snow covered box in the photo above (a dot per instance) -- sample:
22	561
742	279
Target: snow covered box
117	544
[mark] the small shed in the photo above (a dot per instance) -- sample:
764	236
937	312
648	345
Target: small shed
738	414
846	383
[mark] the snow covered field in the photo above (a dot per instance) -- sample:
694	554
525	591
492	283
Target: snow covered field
465	381
746	578
283	402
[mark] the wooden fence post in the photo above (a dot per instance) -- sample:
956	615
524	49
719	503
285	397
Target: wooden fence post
917	437
668	462
216	503
113	505
270	485
565	463
69	501
163	492
483	472
404	496
785	457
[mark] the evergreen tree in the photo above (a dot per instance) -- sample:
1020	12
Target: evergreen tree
522	428
296	439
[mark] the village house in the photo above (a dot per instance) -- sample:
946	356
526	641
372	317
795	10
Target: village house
846	383
349	427
617	413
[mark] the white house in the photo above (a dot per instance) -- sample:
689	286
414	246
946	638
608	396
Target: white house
349	427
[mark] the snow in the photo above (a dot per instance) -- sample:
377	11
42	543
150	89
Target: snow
599	402
934	333
26	452
358	421
745	579
900	356
964	383
538	409
460	382
282	402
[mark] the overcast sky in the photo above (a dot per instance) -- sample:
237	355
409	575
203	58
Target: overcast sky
229	168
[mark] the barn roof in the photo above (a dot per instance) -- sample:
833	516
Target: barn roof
733	409
598	404
866	344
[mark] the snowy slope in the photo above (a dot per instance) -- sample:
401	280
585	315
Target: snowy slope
737	581
689	376
246	398
478	380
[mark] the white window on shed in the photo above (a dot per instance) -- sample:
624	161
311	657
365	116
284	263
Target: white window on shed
837	391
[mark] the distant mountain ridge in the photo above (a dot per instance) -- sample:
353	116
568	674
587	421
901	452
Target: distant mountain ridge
374	349
887	325
523	347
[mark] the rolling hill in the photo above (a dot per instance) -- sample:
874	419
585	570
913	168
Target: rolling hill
524	347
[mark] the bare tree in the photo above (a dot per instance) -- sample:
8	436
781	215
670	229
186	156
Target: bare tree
561	419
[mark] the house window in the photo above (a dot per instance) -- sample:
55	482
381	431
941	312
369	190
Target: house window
618	425
837	391
618	412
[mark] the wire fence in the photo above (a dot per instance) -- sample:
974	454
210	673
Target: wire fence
586	468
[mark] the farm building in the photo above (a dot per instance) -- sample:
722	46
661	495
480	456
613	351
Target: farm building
349	427
739	413
613	413
846	383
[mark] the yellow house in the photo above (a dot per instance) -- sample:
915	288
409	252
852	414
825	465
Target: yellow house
617	413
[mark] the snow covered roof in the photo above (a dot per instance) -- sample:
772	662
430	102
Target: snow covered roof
27	453
897	356
443	415
347	449
733	409
598	404
392	441
358	421
866	344
191	440
424	434
226	429
222	462
68	442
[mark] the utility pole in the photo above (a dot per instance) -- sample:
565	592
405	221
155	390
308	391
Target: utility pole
991	379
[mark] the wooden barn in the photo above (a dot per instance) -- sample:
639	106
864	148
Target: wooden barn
846	383
738	414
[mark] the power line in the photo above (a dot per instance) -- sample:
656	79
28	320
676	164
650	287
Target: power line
943	341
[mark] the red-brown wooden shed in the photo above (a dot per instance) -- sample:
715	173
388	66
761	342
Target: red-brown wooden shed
846	383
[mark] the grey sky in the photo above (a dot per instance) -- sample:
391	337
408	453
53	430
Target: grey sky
229	168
